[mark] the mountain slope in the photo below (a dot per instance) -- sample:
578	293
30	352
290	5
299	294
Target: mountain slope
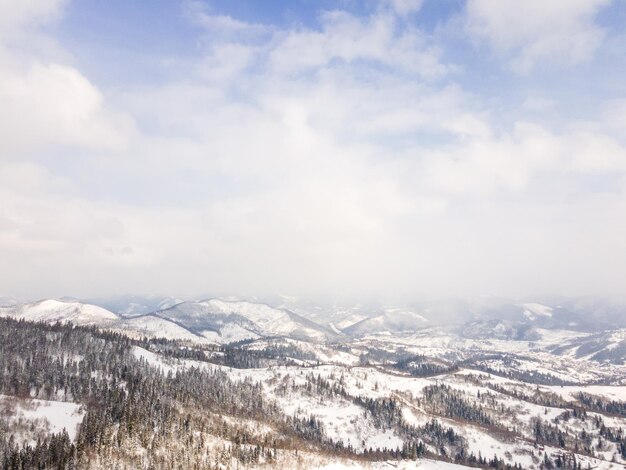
392	320
133	305
52	311
152	326
608	346
234	320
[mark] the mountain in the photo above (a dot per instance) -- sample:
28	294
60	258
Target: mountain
131	305
213	320
532	311
377	402
592	313
6	301
234	320
51	311
392	320
152	326
224	321
608	346
499	329
84	314
335	315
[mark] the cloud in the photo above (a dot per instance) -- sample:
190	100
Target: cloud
615	115
405	7
222	27
47	104
536	31
346	38
53	105
489	164
347	158
15	16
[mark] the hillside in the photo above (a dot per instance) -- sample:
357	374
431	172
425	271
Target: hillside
286	403
51	311
227	321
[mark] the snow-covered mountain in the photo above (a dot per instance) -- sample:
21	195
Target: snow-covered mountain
532	311
581	328
51	311
131	305
608	346
152	326
213	320
6	301
84	314
498	329
377	402
335	315
234	320
392	320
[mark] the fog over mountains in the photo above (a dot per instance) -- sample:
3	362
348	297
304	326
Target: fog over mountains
288	383
597	321
384	163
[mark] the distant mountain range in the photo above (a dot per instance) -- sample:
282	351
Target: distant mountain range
220	321
207	321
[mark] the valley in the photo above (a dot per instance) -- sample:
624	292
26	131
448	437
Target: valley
247	385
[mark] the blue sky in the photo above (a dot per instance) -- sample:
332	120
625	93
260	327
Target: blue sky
120	42
397	149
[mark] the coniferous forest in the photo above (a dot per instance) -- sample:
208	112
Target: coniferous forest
139	416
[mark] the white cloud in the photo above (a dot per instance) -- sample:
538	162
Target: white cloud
615	115
487	164
48	105
223	27
405	7
534	31
17	15
346	38
342	160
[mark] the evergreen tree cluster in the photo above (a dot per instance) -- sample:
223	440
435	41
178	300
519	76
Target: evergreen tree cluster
451	403
601	405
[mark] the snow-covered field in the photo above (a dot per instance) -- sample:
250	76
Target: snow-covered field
343	420
58	311
422	464
31	418
503	397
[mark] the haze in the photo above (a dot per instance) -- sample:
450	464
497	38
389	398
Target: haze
390	149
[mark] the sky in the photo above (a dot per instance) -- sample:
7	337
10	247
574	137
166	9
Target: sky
392	149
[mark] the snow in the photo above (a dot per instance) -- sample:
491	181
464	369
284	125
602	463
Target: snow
230	333
156	360
558	337
235	320
392	319
49	416
52	311
323	354
344	420
533	310
252	311
617	393
422	464
481	442
350	320
399	311
156	327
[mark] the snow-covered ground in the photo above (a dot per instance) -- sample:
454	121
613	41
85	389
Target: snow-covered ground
366	368
52	311
344	420
30	418
534	310
421	464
